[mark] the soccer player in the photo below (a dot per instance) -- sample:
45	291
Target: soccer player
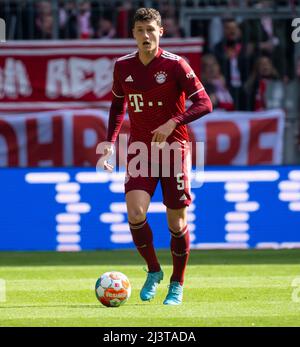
154	84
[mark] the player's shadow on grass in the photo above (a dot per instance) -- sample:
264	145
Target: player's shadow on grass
119	258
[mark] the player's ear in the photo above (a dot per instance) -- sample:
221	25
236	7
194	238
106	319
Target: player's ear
161	31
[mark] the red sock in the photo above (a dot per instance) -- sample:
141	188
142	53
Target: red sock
180	249
143	240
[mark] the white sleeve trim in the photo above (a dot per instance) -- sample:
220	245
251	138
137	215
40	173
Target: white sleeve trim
118	96
197	91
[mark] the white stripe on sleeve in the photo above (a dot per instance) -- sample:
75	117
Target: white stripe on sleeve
197	91
118	96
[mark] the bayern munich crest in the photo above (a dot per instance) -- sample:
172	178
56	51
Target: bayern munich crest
160	77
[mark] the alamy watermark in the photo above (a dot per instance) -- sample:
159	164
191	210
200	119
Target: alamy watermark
156	160
2	30
2	290
296	31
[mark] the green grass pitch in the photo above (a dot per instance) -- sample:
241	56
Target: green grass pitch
222	288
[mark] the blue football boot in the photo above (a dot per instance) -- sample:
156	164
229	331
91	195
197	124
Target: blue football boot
175	294
149	288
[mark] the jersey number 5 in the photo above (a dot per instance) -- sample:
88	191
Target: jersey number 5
180	181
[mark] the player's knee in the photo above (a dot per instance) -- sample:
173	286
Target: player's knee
177	225
136	215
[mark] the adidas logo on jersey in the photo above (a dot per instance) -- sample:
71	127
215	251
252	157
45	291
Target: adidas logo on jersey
129	79
183	197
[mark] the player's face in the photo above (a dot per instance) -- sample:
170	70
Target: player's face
147	34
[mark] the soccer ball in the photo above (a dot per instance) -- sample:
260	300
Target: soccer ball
113	289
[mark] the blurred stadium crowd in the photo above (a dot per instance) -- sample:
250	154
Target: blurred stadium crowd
249	60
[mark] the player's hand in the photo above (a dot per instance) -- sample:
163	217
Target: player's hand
161	133
103	161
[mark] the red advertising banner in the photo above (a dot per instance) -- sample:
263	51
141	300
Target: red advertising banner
49	75
70	138
241	138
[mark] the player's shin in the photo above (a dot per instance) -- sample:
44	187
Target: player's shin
180	249
143	239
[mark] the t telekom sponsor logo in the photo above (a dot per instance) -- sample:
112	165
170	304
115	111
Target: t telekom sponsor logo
136	101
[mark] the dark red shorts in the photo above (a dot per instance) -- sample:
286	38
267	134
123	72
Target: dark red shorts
175	186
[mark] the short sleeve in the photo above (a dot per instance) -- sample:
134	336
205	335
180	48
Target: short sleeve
117	89
188	80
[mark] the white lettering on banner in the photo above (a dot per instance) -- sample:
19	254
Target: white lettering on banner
79	69
57	80
68	137
14	80
51	138
242	138
76	77
103	69
69	73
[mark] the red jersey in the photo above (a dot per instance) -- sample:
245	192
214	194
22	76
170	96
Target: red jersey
154	94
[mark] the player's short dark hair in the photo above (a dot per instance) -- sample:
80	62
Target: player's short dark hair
147	14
